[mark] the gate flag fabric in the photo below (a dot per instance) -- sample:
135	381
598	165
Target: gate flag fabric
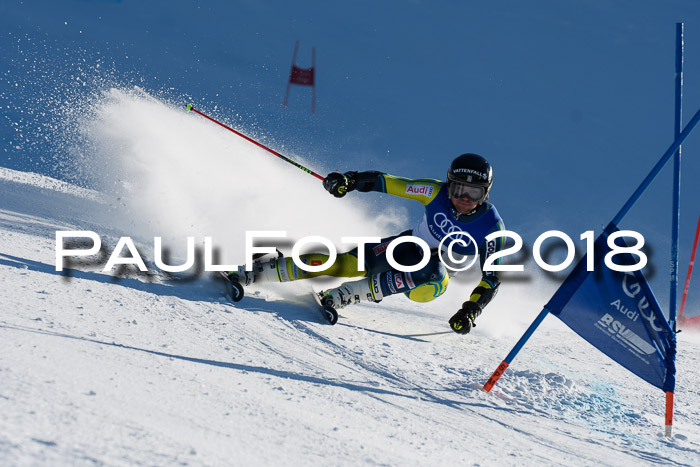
303	76
619	315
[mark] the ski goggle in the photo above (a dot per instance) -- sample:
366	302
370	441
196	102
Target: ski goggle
463	190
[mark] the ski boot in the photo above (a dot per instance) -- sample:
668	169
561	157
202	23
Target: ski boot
352	292
261	272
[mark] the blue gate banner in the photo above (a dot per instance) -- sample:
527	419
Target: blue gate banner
619	315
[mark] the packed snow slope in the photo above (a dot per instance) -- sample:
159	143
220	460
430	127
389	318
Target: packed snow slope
125	367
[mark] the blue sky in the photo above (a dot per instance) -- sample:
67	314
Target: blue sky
571	101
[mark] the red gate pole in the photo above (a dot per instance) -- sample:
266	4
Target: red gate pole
683	319
313	84
289	83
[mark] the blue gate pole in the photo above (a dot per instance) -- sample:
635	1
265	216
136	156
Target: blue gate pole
678	122
675	223
509	358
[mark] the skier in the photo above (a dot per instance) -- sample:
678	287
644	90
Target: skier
457	205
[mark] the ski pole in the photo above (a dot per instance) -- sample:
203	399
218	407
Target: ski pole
190	107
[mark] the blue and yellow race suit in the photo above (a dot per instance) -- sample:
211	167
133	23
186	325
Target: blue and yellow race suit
439	220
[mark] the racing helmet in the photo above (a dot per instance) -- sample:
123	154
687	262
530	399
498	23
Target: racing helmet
470	176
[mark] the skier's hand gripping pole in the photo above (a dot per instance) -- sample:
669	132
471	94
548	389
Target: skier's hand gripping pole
463	321
336	184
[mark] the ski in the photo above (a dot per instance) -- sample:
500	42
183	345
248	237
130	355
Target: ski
328	312
235	292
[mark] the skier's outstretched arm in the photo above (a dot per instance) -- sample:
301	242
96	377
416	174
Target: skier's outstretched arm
339	184
421	190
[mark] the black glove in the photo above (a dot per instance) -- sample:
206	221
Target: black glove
463	320
339	184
